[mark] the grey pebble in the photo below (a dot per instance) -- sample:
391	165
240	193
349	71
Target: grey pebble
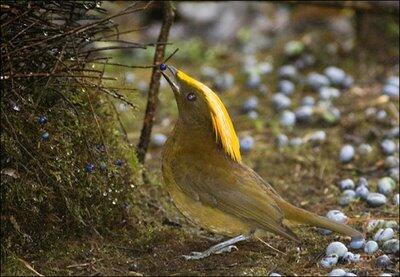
328	93
317	81
304	113
394	173
346	153
286	87
335	75
388	146
158	139
281	101
296	142
384	235
337	248
337	272
282	140
391	246
329	261
347	197
371	247
392	161
396	199
250	104
287	71
357	243
383	261
391	91
374	224
318	137
308	101
287	118
364	149
351	257
346	184
386	185
376	199
337	216
362	192
246	143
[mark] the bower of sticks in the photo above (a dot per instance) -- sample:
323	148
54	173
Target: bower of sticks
312	89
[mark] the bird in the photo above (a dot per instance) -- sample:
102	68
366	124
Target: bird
210	185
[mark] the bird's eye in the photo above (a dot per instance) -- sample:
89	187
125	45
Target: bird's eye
191	97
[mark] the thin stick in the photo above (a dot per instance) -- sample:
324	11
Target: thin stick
28	266
270	246
152	100
170	56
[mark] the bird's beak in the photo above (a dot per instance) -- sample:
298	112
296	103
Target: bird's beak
170	75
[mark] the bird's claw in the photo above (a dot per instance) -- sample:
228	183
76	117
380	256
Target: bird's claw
201	255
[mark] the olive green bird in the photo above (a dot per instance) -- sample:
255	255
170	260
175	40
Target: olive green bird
208	182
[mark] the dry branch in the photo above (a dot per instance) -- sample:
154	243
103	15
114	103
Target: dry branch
152	100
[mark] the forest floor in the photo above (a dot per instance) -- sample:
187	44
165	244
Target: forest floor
306	176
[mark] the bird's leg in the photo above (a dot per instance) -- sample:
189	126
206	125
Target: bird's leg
225	246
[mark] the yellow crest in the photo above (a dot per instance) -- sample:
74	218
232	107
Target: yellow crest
222	123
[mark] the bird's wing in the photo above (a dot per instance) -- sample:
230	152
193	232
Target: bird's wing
236	190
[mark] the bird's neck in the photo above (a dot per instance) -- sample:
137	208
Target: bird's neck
195	138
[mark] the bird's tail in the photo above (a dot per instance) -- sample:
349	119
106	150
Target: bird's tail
302	216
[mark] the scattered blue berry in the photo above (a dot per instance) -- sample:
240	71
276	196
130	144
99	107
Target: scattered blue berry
282	140
89	167
347	197
362	192
42	120
246	143
45	136
119	162
287	71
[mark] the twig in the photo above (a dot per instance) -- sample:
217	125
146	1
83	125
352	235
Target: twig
28	266
152	100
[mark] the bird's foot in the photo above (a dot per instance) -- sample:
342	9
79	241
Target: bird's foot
226	246
208	252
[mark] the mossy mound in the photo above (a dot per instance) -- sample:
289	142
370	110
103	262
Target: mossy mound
66	169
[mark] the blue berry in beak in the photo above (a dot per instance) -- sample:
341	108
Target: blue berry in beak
163	66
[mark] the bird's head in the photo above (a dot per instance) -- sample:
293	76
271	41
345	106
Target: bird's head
199	106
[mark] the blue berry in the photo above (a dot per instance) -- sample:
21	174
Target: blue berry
42	120
119	162
163	66
89	167
45	136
